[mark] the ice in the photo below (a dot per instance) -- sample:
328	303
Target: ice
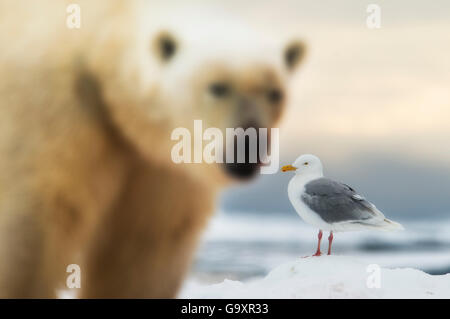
329	277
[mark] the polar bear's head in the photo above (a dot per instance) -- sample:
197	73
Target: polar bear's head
228	79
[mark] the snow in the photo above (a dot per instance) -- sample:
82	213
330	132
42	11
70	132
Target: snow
329	277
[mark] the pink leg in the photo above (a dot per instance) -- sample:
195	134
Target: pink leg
319	236
330	241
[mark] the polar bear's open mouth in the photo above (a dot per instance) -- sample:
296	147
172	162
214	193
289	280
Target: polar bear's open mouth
242	170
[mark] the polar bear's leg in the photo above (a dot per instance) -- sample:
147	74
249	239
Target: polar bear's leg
145	245
27	260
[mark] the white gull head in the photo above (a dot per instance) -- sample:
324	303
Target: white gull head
307	165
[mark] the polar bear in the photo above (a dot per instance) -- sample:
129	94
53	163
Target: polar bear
86	115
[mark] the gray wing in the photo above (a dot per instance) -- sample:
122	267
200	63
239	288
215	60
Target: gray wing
335	202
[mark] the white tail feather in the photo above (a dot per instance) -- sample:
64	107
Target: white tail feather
390	225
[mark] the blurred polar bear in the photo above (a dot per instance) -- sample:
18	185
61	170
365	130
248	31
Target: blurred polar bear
85	122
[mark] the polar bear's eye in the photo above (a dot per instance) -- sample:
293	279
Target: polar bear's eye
164	46
275	96
219	89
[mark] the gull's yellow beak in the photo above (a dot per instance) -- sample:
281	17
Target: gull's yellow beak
288	168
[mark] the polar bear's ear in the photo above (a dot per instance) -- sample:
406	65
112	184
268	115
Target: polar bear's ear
164	46
293	54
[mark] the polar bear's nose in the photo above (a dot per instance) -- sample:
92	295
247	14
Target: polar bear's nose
250	113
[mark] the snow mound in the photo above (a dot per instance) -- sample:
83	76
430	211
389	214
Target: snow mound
330	277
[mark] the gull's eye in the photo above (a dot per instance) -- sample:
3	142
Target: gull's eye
219	89
305	163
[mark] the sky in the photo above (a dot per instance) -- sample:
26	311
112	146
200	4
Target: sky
373	104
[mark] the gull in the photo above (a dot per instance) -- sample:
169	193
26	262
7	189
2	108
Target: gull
329	205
